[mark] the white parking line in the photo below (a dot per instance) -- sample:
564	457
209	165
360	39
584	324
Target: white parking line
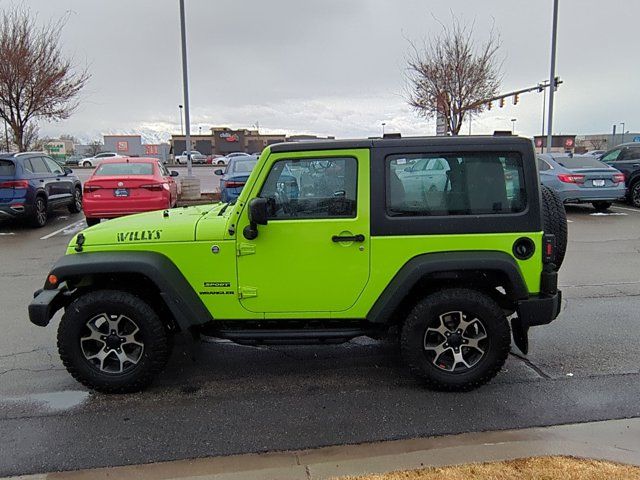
66	227
628	209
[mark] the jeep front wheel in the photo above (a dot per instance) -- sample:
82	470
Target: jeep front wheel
112	341
455	339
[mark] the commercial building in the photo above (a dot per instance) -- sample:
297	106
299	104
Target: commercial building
604	141
224	140
59	148
131	145
559	143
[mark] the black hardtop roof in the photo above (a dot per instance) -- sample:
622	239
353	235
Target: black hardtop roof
463	141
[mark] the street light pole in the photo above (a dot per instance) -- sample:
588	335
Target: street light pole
622	132
513	125
181	128
383	124
552	75
185	86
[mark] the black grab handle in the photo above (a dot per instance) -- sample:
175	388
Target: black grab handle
349	238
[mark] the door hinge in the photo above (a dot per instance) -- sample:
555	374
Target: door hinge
246	249
247	292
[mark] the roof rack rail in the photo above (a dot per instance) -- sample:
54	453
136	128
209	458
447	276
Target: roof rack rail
27	153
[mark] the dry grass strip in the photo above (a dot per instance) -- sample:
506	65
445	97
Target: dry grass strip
536	468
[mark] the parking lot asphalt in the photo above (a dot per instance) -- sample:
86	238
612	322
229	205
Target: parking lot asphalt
239	399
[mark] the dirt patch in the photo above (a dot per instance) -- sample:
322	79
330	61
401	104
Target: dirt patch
537	468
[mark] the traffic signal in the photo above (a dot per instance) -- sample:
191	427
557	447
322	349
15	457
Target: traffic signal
489	105
515	99
501	102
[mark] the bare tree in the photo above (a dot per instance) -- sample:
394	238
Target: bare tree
598	143
36	80
452	75
95	147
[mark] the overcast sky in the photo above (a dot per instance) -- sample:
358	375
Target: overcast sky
334	67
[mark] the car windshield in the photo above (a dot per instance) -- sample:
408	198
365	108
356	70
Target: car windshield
133	168
580	162
7	168
244	166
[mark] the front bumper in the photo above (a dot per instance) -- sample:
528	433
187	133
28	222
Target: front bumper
46	303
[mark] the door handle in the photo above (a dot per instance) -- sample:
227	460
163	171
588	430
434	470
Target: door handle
635	165
348	238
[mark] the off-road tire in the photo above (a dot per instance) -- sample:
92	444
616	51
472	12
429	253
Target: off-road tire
76	204
554	219
92	221
40	213
157	346
634	194
427	312
601	206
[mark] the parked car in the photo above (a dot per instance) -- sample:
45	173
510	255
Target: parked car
196	157
216	160
595	153
32	185
581	179
128	185
97	159
626	158
227	158
235	176
74	159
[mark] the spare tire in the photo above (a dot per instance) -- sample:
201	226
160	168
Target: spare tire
554	220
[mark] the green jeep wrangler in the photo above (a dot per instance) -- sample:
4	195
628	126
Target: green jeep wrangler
449	243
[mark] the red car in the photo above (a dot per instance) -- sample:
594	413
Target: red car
128	185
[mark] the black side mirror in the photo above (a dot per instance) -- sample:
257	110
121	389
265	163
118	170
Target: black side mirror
173	173
257	216
218	172
67	171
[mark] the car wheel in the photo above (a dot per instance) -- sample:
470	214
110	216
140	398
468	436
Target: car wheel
112	341
554	219
76	205
455	339
601	206
92	221
635	194
86	164
39	218
221	162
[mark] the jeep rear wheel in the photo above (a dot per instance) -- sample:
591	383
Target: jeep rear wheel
554	219
112	341
455	339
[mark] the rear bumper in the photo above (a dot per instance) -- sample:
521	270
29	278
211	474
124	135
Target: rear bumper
540	309
111	209
14	210
584	195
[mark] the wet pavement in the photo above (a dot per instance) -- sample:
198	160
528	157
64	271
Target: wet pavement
235	399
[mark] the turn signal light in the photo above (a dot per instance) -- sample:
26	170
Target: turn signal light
52	279
571	178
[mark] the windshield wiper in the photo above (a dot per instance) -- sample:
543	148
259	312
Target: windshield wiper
224	209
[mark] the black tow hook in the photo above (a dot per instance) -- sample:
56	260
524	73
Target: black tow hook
79	242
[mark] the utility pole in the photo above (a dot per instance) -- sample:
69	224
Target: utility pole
622	132
552	75
181	127
190	184
383	124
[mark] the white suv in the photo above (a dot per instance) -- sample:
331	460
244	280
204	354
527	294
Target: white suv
94	161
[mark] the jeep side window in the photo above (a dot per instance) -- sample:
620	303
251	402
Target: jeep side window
473	184
311	188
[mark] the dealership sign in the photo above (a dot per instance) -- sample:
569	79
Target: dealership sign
122	146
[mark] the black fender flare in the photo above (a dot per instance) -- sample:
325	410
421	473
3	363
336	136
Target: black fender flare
174	289
423	266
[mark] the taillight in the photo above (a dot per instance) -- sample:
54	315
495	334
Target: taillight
91	188
548	248
15	184
618	177
154	187
566	178
232	184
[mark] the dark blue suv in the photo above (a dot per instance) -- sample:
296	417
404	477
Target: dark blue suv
32	184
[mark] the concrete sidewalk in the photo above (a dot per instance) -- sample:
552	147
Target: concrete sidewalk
614	440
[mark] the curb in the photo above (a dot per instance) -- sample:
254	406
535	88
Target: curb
613	440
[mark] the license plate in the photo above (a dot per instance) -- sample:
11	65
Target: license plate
598	183
121	192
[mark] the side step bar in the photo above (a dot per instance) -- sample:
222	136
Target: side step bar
290	337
